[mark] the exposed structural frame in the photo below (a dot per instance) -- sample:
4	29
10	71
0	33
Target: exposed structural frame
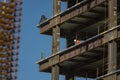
98	56
10	23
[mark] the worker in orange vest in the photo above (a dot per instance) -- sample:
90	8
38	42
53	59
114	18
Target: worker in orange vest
77	41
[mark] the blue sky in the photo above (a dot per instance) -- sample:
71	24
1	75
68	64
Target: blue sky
32	42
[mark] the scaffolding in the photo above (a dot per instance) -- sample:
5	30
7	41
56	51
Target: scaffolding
96	23
10	18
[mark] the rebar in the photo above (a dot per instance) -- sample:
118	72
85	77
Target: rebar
10	18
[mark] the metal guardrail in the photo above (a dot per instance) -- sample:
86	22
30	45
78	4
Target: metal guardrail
108	74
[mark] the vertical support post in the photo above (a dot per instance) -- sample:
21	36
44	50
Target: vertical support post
55	72
112	59
112	46
55	49
56	40
112	13
56	7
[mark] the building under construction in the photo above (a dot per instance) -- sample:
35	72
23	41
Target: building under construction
10	18
92	32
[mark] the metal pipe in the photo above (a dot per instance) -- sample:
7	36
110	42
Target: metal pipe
108	74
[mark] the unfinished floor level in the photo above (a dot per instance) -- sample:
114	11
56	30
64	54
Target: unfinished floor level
92	32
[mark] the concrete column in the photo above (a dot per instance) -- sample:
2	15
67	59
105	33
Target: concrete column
112	46
55	49
56	39
56	7
55	72
112	59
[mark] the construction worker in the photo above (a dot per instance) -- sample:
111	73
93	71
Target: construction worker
76	41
